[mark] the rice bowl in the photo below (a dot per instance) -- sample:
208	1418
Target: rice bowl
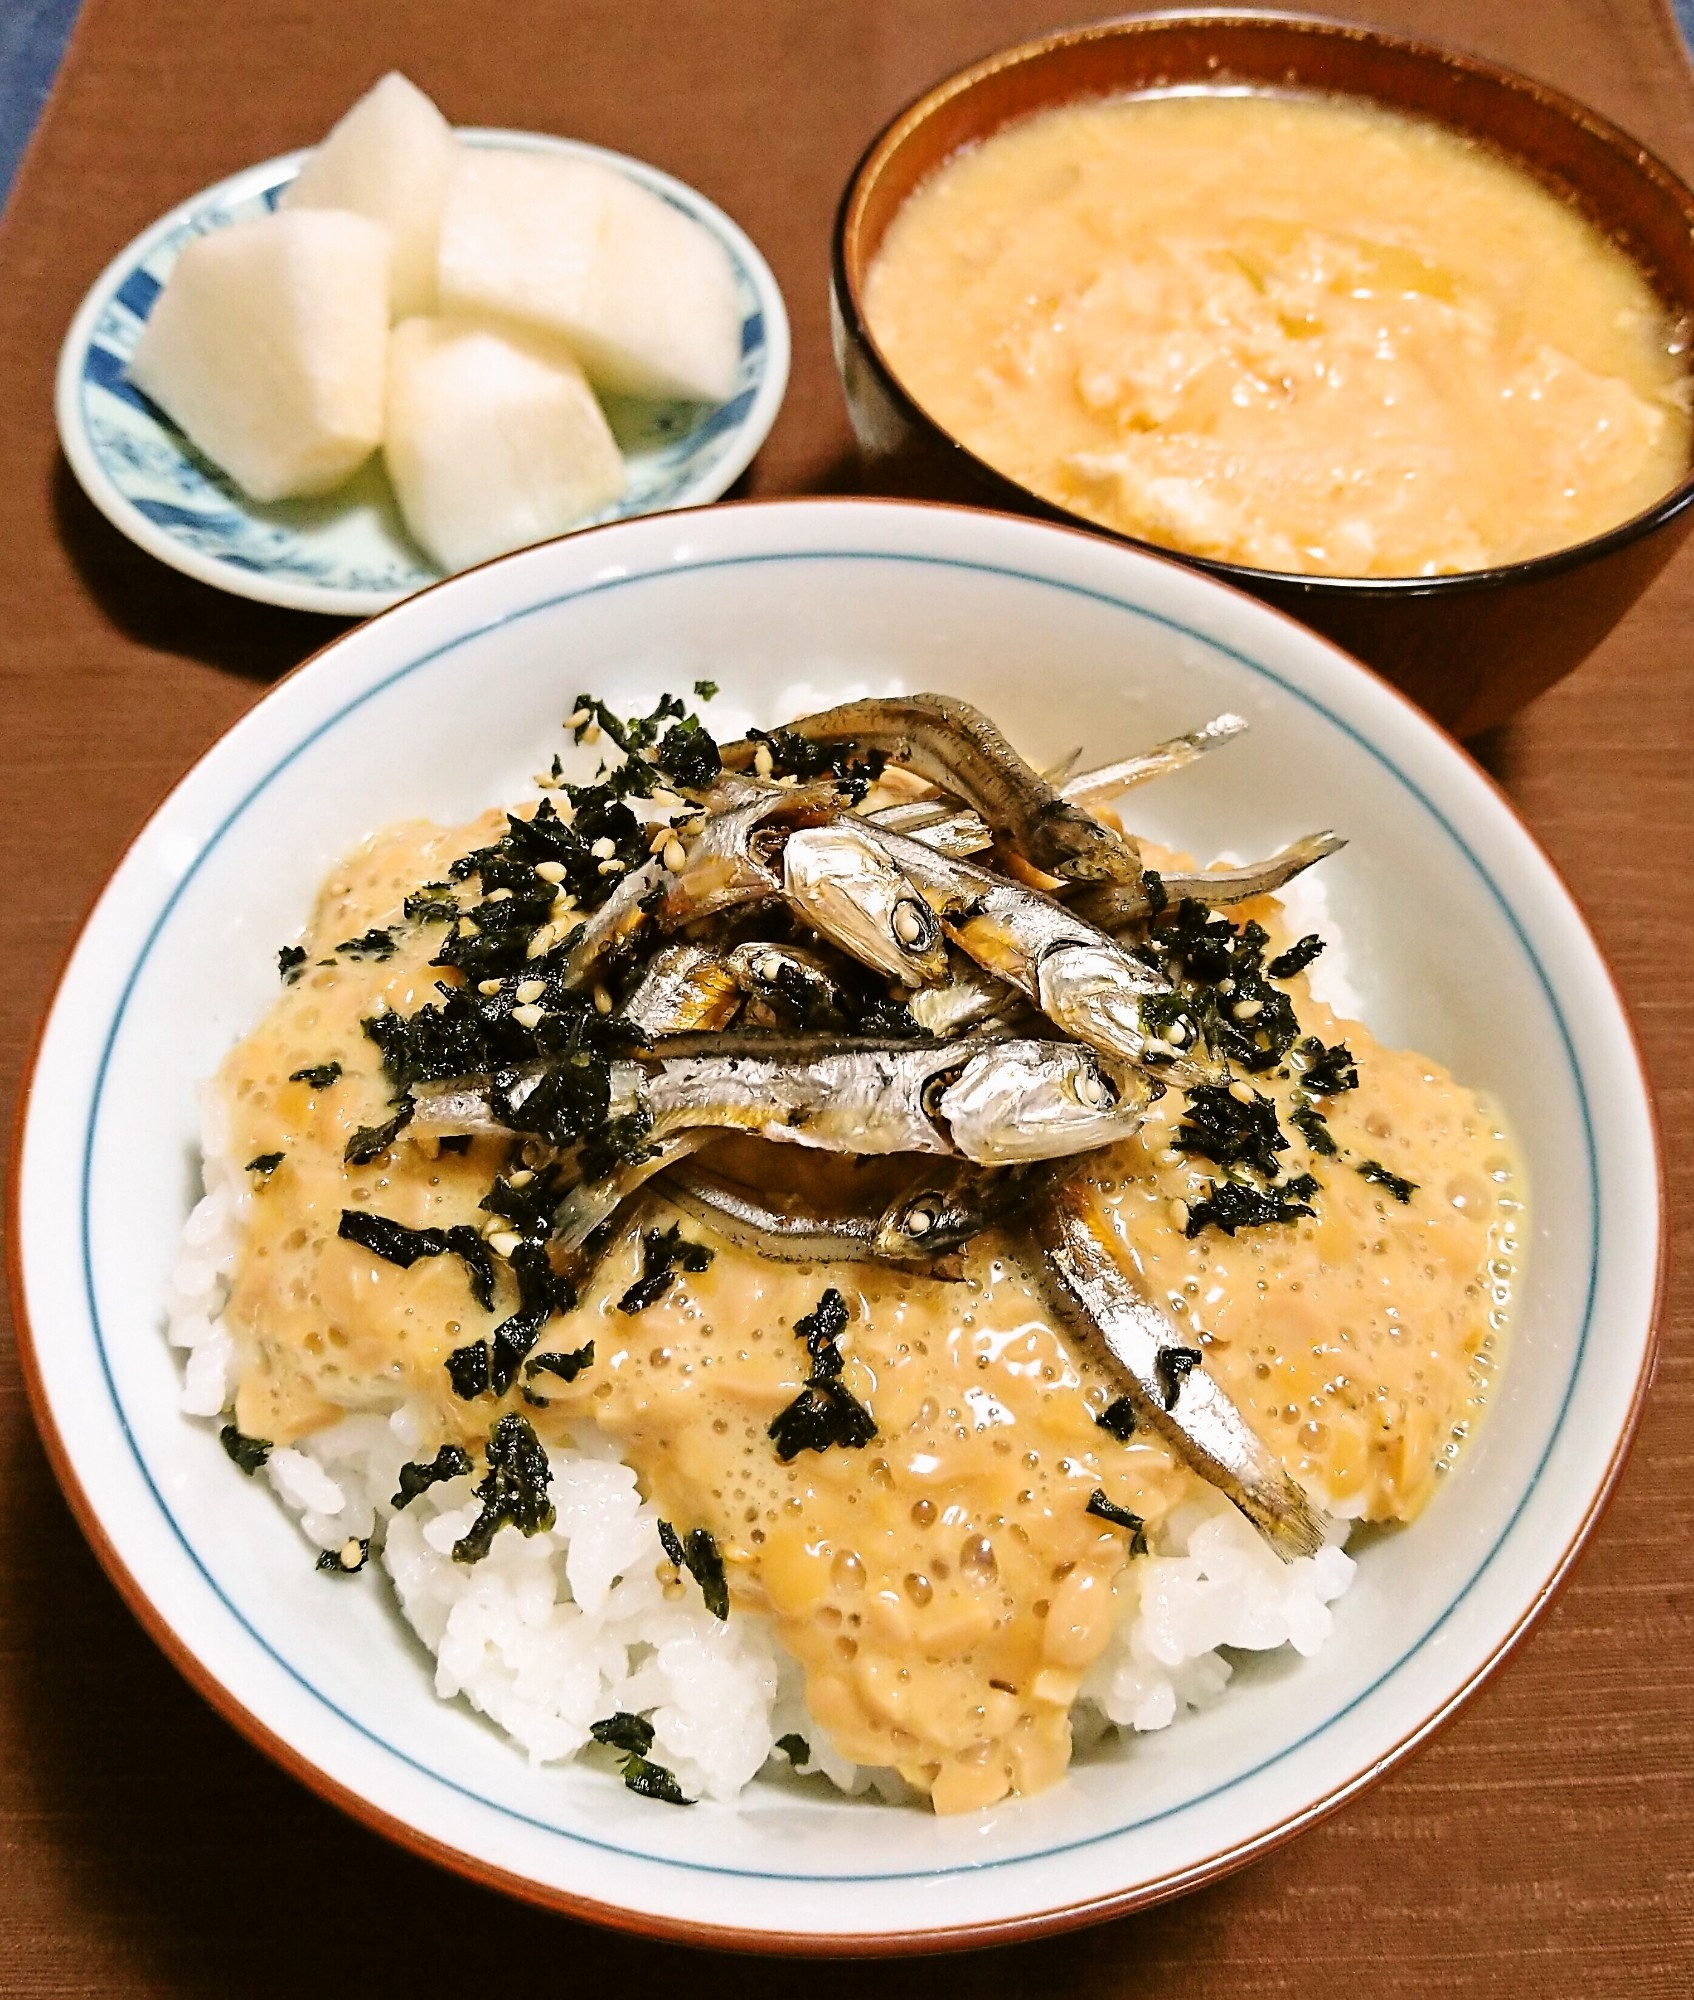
1263	1760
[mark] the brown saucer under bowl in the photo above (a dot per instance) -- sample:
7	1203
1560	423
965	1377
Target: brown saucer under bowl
1471	648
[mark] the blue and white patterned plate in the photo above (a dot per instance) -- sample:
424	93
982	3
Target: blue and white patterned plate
347	552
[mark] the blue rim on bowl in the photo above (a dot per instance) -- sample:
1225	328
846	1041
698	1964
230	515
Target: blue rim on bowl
837	588
347	553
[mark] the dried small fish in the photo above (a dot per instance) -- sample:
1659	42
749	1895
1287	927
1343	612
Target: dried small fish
952	743
949	829
1081	979
685	989
591	1205
723	868
1169	1387
930	1220
843	881
1120	905
1100	787
970	998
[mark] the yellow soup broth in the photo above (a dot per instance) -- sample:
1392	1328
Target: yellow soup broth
944	1589
1298	333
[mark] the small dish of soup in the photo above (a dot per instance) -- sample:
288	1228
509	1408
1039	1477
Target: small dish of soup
1293	332
1388	336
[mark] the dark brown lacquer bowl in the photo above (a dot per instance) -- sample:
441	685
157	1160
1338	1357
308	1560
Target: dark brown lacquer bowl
1470	648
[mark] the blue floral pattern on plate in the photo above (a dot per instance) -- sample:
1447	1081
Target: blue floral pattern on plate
348	551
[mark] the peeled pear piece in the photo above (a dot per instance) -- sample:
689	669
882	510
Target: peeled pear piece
494	439
389	158
643	296
269	345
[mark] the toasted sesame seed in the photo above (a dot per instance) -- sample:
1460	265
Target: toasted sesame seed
504	1241
592	733
1247	1010
602	1000
488	986
499	895
676	856
527	1017
562	907
530	991
521	1178
576	718
1179	1213
543	941
665	798
613	867
604	848
1240	1091
656	838
763	762
566	813
550	871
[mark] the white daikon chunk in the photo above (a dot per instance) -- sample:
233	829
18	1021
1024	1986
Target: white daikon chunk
268	347
643	295
494	439
389	158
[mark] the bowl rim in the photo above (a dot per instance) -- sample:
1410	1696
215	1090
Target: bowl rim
291	594
1641	159
1050	1921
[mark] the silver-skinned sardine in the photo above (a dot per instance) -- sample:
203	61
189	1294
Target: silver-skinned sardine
953	744
1166	1380
789	989
685	989
1080	978
943	1211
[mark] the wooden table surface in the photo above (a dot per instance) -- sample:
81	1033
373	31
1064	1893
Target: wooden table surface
1543	1846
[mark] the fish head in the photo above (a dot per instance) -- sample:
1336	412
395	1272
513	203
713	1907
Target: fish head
839	880
1094	992
1071	843
1030	1100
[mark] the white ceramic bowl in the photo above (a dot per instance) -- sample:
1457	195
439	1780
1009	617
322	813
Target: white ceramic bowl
347	552
1463	942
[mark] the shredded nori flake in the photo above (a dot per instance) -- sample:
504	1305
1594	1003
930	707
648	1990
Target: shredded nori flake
1218	1126
1119	1419
513	1490
706	690
1153	888
567	1366
569	1102
248	1452
620	1142
529	1209
1296	958
825	1412
393	1241
697	1552
467	1370
663	1252
434	903
265	1164
795	1748
372	944
1120	1517
1173	1366
796	756
632	1737
370	1141
291	962
1313	1127
335	1563
320	1075
652	1781
1328	1070
452	1461
1233	1205
478	1261
1396	1184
